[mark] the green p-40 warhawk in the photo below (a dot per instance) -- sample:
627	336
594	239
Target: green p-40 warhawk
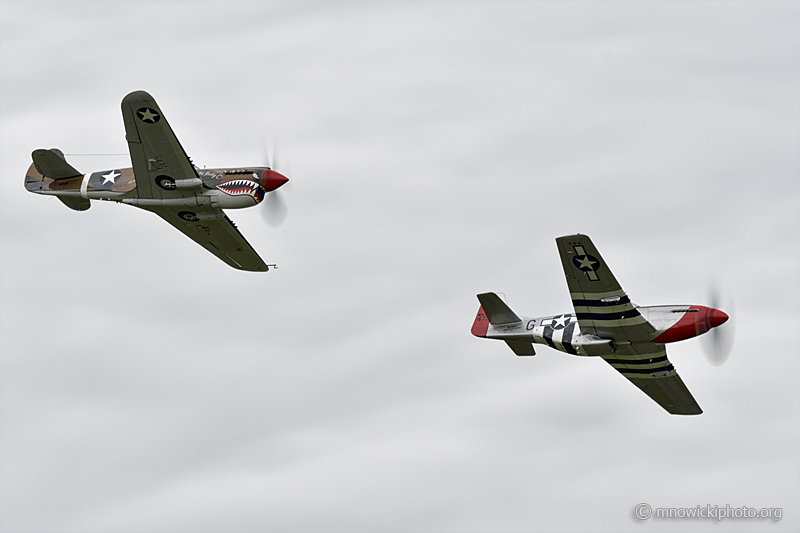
606	324
163	180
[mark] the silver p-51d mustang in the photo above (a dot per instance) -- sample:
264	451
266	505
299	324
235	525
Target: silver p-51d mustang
605	324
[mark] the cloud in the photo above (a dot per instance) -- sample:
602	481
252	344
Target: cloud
436	152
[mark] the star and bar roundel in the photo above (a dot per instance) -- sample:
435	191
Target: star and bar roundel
586	263
558	322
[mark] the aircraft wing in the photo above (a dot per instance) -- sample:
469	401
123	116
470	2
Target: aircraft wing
159	161
157	156
646	366
601	306
217	235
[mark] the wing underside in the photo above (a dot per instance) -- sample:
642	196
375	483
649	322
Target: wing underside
217	235
156	154
646	365
601	306
159	165
603	309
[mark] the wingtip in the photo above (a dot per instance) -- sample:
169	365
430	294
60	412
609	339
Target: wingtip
137	96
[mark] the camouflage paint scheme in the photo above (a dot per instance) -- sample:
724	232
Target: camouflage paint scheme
163	180
605	324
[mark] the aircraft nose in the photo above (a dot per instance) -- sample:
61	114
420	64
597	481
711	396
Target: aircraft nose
715	317
271	180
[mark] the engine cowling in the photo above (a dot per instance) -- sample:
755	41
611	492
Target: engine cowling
694	321
237	194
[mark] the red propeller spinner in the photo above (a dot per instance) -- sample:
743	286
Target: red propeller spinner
715	317
271	179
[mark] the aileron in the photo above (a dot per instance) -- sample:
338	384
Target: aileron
219	236
646	365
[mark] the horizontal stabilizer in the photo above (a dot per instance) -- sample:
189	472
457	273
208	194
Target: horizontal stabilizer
521	347
78	204
496	310
51	163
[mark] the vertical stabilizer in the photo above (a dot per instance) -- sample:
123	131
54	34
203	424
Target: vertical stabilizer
481	324
495	312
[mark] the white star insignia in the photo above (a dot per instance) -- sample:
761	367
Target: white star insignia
560	321
149	116
585	262
111	177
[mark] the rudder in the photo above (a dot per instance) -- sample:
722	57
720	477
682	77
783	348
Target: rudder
481	324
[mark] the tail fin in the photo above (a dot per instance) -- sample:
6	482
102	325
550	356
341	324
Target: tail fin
496	312
51	163
481	324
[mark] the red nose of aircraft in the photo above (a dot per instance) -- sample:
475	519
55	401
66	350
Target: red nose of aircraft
271	180
715	317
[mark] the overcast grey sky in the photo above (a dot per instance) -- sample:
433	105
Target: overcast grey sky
437	149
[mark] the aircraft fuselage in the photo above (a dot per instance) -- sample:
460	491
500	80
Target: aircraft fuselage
671	323
218	188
